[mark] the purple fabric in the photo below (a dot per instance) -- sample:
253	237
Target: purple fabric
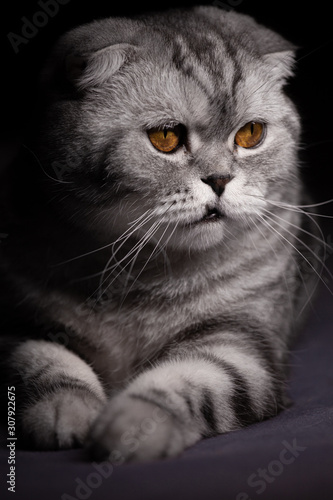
290	456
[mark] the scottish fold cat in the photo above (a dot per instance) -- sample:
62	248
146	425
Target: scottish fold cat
156	262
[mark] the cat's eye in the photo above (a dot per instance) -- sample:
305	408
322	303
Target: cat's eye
166	139
250	135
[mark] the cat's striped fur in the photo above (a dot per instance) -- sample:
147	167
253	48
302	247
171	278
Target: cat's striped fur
175	301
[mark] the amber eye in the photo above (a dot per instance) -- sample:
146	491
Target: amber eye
250	135
166	139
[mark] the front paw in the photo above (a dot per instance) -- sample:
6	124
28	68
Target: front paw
60	420
135	429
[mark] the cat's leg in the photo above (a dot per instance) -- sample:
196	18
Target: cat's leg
197	392
58	394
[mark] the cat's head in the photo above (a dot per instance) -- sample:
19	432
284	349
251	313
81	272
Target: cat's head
176	121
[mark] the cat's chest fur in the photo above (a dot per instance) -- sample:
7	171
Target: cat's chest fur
117	333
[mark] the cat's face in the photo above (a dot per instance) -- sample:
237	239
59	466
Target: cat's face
184	131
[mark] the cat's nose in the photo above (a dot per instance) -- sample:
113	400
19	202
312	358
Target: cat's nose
217	182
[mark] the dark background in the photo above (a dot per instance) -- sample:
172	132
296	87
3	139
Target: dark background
306	24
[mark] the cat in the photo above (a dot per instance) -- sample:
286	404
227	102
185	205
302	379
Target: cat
155	259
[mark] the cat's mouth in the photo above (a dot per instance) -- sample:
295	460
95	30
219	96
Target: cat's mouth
212	215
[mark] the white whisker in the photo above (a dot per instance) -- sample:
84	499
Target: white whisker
44	171
297	208
277	257
323	266
147	261
86	254
134	250
299	228
298	251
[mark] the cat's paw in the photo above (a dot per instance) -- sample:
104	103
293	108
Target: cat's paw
60	420
133	429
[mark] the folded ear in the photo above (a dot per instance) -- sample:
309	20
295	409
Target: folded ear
94	69
280	64
275	51
89	55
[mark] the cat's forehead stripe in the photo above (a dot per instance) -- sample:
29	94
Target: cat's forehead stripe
214	67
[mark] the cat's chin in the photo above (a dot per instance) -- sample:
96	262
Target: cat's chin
199	235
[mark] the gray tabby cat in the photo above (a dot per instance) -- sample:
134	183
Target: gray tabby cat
154	260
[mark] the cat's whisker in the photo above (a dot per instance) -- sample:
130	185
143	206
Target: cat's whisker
297	250
138	244
315	144
288	249
136	249
143	243
321	262
146	263
154	250
319	47
124	238
126	235
299	228
308	295
297	208
321	241
165	244
86	254
117	264
56	179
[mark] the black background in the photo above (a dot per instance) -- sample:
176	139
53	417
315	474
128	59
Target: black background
306	24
